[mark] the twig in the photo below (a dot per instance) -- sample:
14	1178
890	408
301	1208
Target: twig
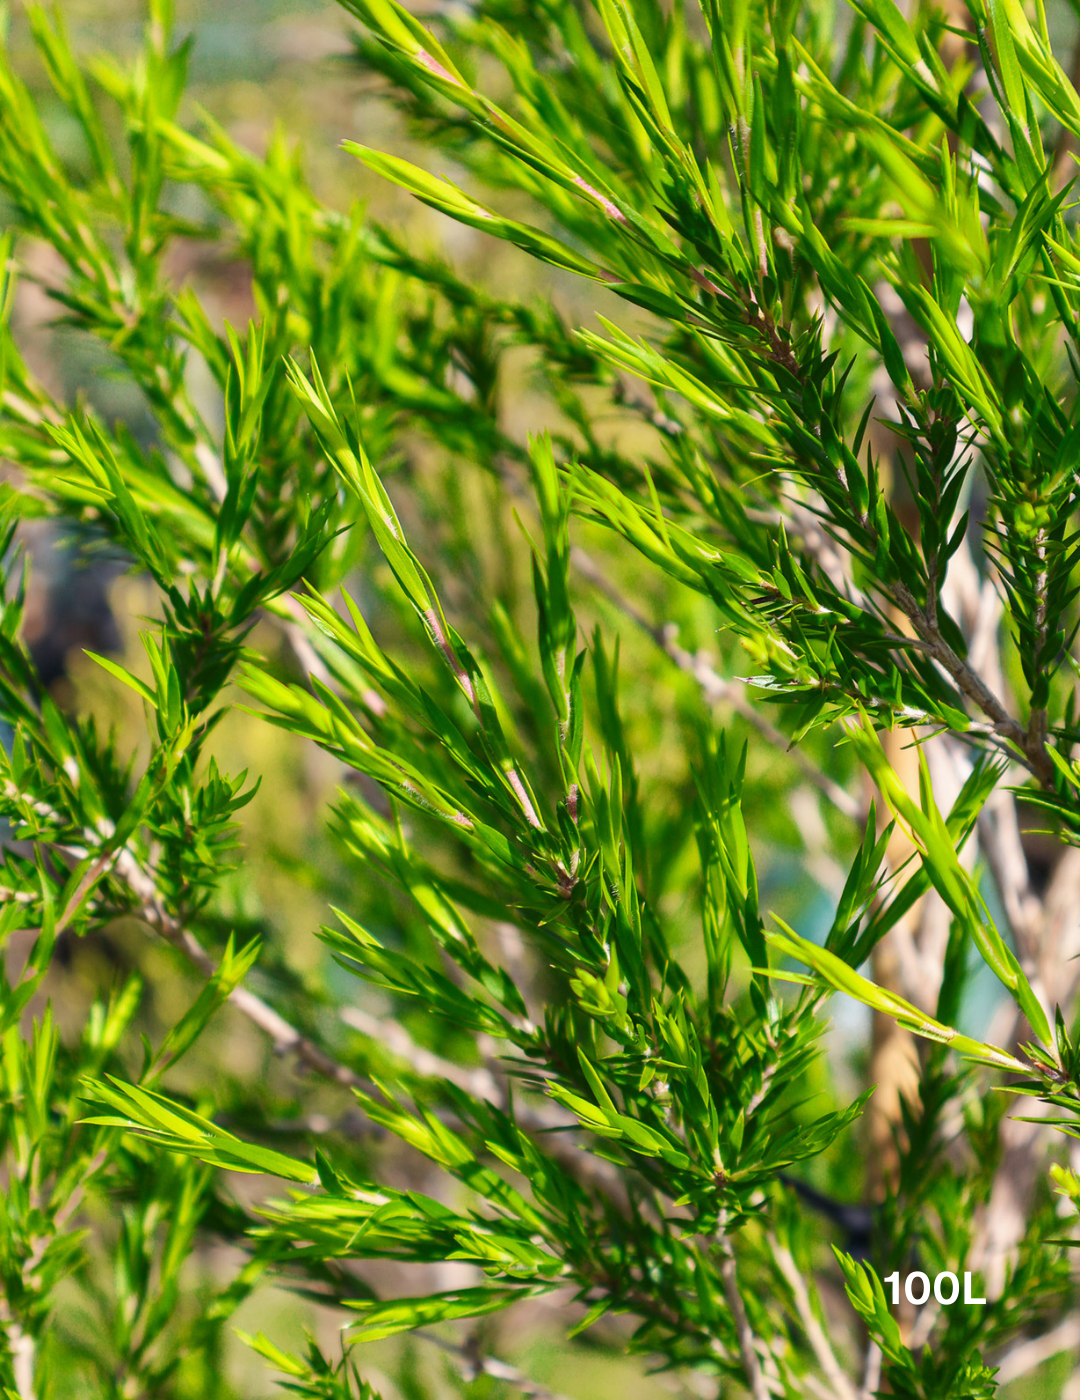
717	691
871	1372
297	636
1031	743
86	884
21	1346
481	1083
820	545
1039	719
473	1364
1026	1355
287	1040
20	1342
549	1118
1032	747
744	1333
715	688
815	1333
285	1037
999	840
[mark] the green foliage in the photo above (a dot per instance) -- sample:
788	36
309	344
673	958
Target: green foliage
841	291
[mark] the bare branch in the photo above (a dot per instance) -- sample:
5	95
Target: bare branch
715	688
871	1372
474	1364
286	1039
21	1346
547	1118
755	1378
1025	1356
481	1083
1059	942
1031	747
296	633
822	548
815	1333
999	839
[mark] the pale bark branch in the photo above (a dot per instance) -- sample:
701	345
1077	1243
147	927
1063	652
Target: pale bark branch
1025	1356
284	1036
296	633
714	687
822	548
744	1333
480	1082
815	1334
871	1372
999	839
21	1347
1059	943
21	1344
474	1364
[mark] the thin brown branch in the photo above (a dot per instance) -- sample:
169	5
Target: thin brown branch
1031	747
90	878
284	1036
1039	719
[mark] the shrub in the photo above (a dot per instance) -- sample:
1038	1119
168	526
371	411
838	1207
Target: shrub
820	455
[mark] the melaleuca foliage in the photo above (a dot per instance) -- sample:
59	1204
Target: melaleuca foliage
794	525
